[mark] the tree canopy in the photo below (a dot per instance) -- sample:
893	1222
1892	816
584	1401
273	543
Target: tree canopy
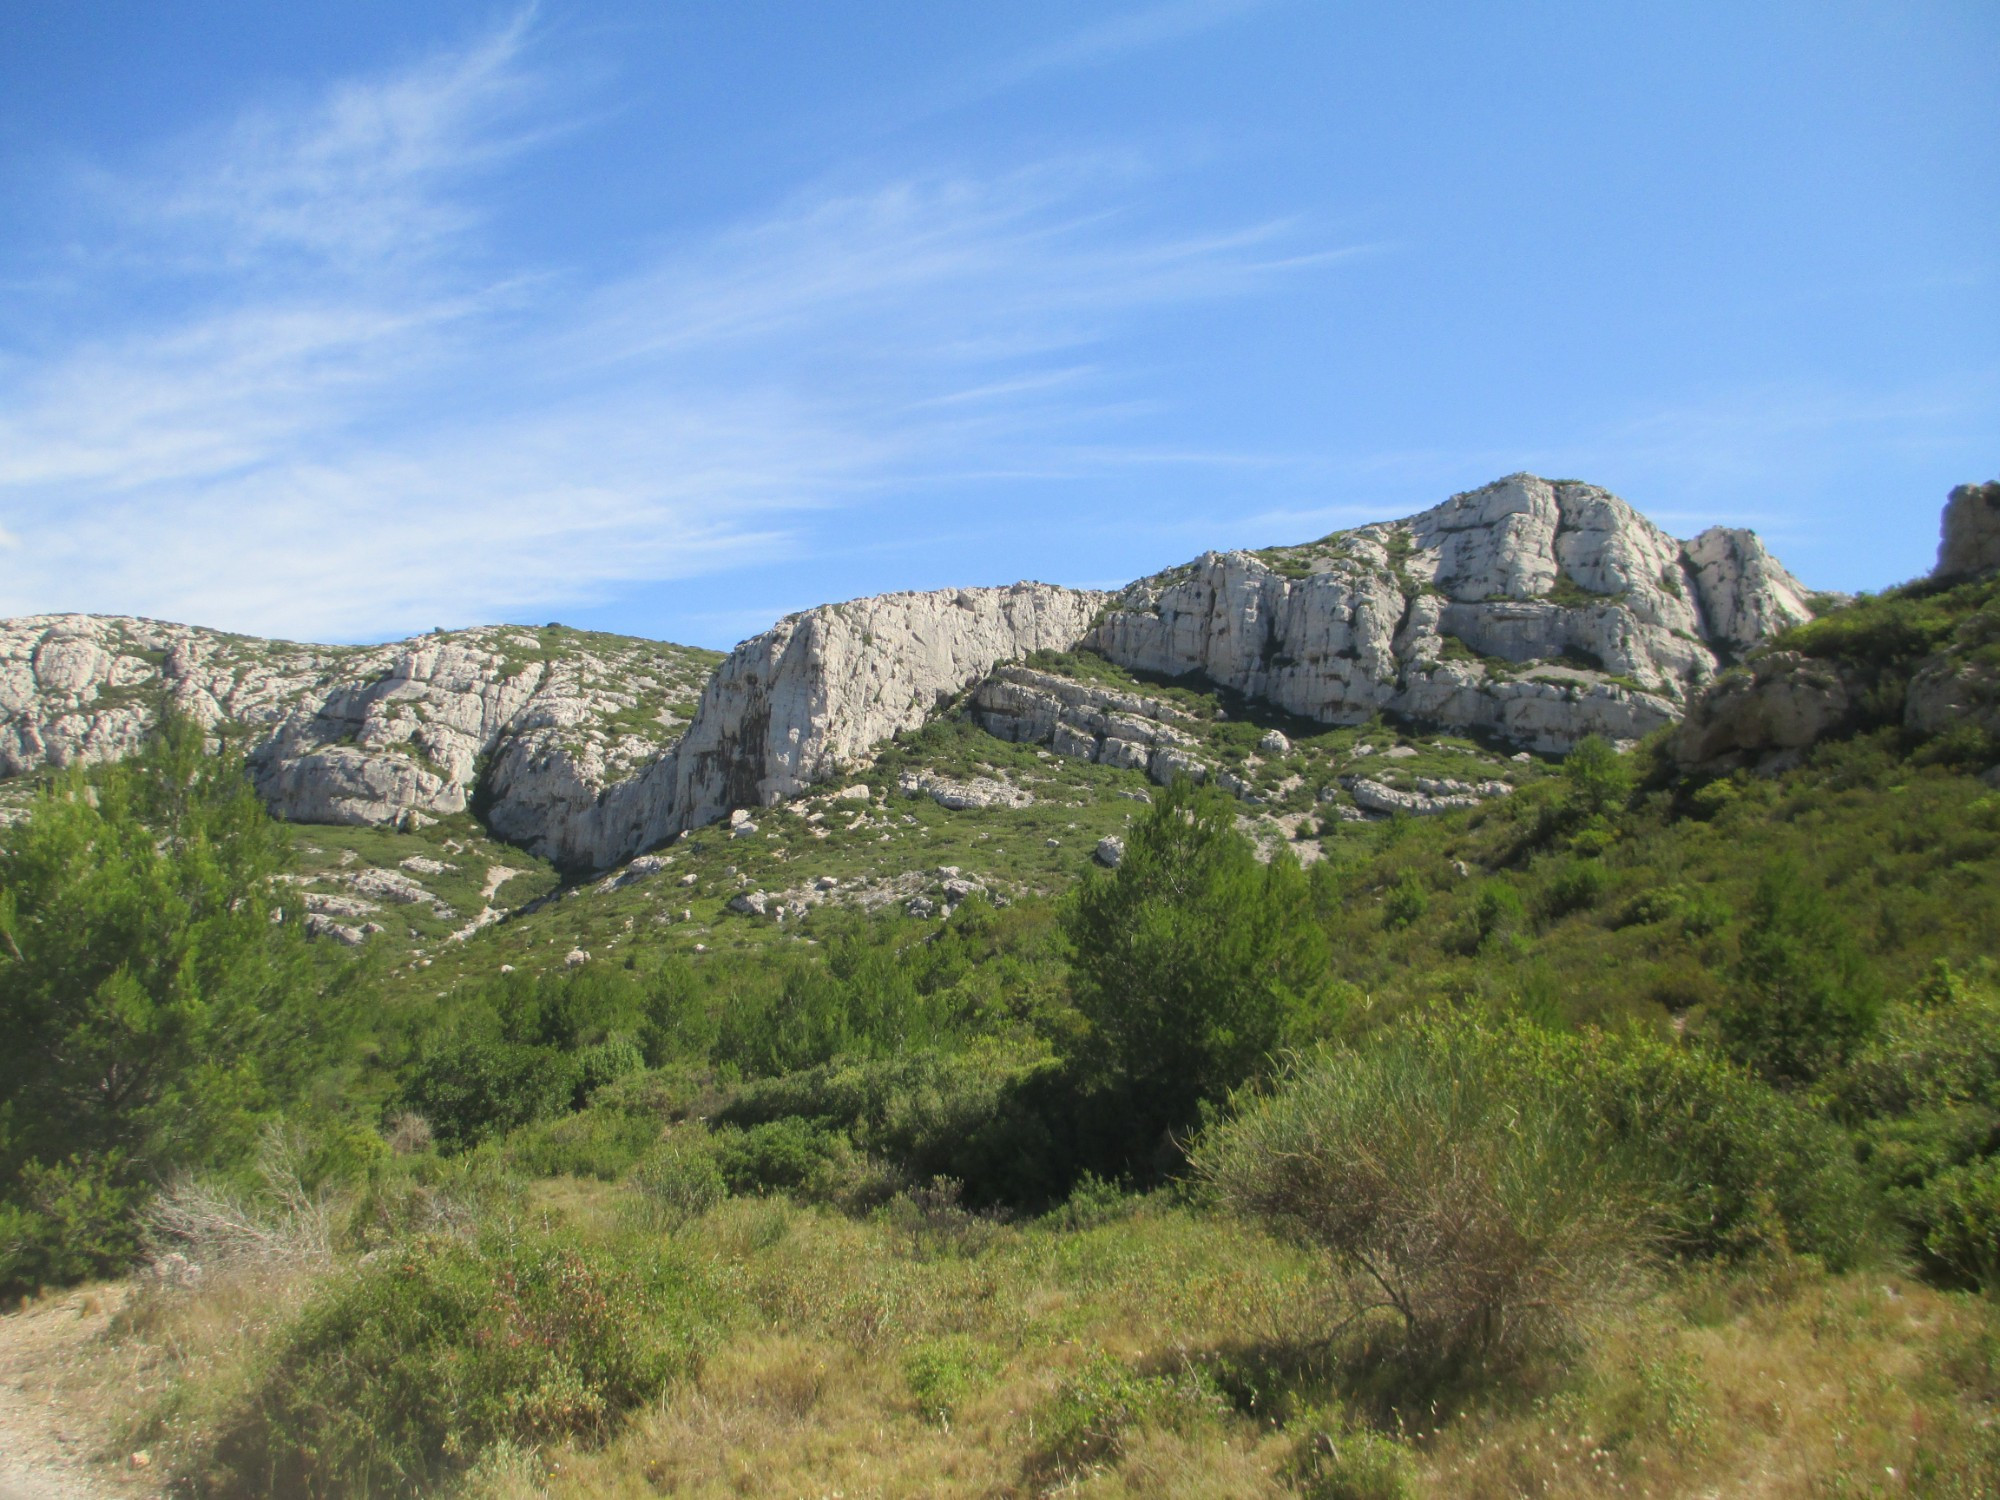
1193	961
156	994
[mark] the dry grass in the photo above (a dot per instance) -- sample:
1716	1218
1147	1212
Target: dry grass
1840	1386
860	1358
199	1229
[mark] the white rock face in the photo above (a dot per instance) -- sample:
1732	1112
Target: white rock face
1541	612
1971	542
369	735
1537	611
809	699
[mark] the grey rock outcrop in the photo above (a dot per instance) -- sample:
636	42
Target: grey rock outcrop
1971	541
360	734
810	698
1947	691
1540	612
1426	799
1783	701
959	795
1766	713
1087	722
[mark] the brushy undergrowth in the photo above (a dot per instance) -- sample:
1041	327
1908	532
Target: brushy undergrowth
403	1370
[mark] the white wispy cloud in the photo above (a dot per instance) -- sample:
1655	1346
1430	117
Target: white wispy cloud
305	401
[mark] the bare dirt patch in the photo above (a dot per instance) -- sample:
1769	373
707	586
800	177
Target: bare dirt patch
56	1435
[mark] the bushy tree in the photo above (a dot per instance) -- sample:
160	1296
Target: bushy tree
1474	1200
156	1000
1596	778
1192	961
1806	997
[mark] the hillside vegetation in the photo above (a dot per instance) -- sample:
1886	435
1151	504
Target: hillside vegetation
1636	1132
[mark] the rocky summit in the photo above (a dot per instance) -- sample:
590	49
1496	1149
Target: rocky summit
1537	611
1532	612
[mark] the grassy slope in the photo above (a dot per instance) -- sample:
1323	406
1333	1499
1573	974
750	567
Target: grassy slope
1007	849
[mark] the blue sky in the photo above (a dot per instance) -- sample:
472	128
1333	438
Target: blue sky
341	321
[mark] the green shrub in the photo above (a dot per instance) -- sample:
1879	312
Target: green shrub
1192	961
594	1143
1940	1051
1596	778
473	1088
1959	1212
158	999
1092	1202
1805	998
1408	901
75	1219
1497	912
1087	1418
680	1178
926	1110
1335	1458
1924	1096
417	1196
1698	912
397	1375
942	1372
1474	1201
1732	1166
1574	885
782	1156
606	1062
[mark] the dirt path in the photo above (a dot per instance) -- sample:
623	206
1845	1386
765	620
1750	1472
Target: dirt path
53	1432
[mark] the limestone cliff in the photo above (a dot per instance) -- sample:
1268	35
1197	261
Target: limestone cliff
1537	611
812	696
360	734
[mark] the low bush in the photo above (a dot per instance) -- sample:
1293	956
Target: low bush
594	1143
474	1088
1958	1213
401	1372
1924	1097
1472	1200
783	1156
604	1063
1574	885
1335	1458
680	1178
1806	998
1731	1165
942	1372
915	1107
78	1218
1087	1419
1407	903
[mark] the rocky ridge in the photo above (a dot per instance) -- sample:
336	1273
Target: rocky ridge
533	723
1534	612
